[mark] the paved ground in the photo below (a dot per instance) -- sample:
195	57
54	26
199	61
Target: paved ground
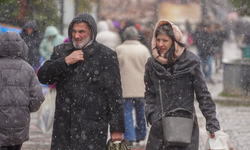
234	120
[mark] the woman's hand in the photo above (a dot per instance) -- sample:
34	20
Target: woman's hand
212	135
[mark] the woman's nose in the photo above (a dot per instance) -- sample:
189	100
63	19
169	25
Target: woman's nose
160	43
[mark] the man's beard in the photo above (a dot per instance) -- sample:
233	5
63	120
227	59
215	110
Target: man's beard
81	45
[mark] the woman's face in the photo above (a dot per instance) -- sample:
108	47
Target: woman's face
163	42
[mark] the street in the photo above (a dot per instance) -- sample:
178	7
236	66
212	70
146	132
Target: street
234	120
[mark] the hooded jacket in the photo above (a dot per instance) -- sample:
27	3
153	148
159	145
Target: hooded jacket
178	86
20	91
89	94
106	36
47	45
33	42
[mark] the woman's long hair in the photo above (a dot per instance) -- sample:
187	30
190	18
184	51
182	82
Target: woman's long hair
168	30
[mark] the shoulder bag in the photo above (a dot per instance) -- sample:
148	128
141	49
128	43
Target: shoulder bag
177	131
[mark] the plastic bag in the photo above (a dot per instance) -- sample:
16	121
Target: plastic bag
46	111
123	145
219	142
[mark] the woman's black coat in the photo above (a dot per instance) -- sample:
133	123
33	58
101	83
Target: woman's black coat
89	94
178	89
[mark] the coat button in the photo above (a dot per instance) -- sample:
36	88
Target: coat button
174	80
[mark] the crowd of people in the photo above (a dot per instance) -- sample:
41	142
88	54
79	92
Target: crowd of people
107	75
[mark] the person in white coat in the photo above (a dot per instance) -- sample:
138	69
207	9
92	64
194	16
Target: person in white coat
132	57
106	36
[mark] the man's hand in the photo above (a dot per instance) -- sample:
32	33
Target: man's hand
116	136
74	57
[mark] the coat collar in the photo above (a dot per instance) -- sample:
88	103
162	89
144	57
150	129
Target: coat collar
91	49
184	64
131	42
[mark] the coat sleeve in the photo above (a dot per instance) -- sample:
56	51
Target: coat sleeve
206	103
113	92
149	96
52	69
36	97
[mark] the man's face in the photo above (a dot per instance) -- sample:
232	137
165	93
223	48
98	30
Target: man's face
81	35
29	31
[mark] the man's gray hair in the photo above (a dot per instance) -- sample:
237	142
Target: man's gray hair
130	33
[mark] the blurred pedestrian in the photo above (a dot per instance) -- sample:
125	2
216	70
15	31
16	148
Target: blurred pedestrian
20	93
106	36
205	42
132	57
140	38
148	33
89	93
176	71
66	40
114	30
218	46
51	38
33	38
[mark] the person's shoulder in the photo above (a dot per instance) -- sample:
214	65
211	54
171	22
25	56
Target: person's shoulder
64	46
105	49
143	46
121	46
189	59
151	59
191	55
26	67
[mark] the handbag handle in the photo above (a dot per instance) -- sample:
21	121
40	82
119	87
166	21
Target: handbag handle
179	108
176	109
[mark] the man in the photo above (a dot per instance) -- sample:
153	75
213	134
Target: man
32	38
89	94
133	56
205	42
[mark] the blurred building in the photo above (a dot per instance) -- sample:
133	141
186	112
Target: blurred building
141	11
177	11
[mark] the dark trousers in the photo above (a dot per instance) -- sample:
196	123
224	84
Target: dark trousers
15	147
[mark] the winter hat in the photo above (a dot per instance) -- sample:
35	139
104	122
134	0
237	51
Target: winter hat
66	40
116	24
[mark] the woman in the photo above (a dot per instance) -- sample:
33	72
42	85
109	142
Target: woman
178	71
52	38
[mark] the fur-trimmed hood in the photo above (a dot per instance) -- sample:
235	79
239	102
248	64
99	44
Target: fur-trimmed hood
178	36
